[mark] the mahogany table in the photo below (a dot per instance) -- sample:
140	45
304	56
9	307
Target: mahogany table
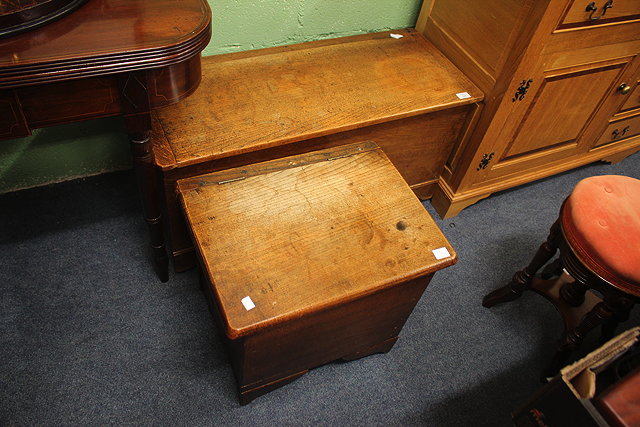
108	57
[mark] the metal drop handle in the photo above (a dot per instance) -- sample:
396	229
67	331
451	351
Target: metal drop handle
591	7
617	134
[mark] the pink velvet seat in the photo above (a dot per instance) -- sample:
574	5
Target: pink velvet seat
601	222
598	235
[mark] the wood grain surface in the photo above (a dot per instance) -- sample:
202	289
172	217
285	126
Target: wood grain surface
256	100
306	232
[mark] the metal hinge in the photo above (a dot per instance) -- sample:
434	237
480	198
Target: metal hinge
231	180
339	157
522	90
485	161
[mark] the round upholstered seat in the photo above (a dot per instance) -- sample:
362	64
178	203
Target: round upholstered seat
601	223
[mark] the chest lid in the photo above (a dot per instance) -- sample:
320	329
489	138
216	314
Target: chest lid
302	233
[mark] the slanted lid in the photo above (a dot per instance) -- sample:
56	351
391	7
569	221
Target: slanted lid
306	232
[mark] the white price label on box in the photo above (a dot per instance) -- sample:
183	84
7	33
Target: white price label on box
441	253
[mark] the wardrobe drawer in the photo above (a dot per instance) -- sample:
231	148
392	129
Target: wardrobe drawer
587	12
619	130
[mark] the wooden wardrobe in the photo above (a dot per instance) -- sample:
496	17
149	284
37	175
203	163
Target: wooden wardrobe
561	84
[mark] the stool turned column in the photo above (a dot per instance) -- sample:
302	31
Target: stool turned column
598	236
522	279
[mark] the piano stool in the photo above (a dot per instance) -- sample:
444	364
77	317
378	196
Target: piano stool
598	279
310	259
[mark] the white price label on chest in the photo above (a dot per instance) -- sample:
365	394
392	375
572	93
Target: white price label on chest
248	303
463	95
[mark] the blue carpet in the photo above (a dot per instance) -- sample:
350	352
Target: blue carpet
89	336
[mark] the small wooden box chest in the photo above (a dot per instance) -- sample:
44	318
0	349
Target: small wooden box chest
311	258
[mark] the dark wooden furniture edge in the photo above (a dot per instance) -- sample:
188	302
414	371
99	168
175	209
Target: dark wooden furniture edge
39	14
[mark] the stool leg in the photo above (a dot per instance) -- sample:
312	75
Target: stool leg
553	269
573	293
620	316
523	278
571	339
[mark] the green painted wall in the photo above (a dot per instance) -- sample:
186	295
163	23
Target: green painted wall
243	25
64	152
88	148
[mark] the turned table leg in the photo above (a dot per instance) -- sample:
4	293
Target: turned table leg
136	108
522	279
150	193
